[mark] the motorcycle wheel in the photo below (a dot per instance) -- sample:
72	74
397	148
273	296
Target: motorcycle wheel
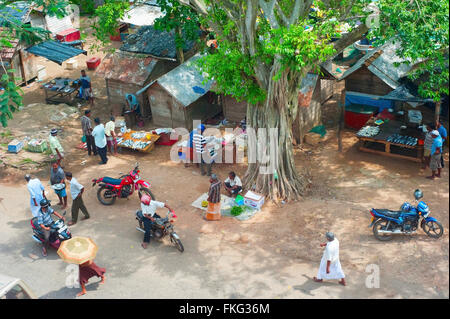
101	196
177	243
433	229
148	192
381	225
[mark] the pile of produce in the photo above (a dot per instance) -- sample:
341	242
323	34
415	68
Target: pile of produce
138	135
368	131
236	210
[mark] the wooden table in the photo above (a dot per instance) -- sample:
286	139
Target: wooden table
148	148
59	92
379	145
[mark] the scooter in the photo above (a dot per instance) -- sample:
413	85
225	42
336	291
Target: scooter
161	227
386	223
58	232
123	187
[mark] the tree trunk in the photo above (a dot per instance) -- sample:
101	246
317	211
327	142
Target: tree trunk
437	111
180	53
279	180
341	104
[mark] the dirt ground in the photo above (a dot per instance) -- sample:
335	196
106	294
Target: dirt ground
344	188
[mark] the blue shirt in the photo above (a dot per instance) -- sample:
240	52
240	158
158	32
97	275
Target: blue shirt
45	218
442	131
436	143
85	82
99	136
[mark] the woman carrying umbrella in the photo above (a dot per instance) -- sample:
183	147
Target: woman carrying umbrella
87	270
82	251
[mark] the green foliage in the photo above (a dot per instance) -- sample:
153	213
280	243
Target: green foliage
236	210
180	18
86	6
422	28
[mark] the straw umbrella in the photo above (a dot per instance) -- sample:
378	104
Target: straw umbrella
78	250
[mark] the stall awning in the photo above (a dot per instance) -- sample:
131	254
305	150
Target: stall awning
55	51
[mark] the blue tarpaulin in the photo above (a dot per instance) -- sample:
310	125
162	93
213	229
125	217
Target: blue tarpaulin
55	51
366	99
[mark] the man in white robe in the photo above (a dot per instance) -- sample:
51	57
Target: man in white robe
330	266
37	193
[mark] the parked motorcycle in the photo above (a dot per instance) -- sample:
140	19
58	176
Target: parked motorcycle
58	232
123	187
161	227
386	222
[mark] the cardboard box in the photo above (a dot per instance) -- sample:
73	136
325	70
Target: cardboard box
253	200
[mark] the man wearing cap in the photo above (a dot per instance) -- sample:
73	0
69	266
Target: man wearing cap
57	178
443	133
55	146
330	266
436	154
213	210
86	126
44	219
37	193
100	140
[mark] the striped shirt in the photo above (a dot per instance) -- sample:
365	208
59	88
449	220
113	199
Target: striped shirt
214	193
45	218
428	141
199	143
86	125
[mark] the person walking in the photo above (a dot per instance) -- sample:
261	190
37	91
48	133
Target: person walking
330	266
55	146
199	143
436	154
76	191
86	126
427	145
100	140
443	133
110	133
57	177
213	210
37	193
88	270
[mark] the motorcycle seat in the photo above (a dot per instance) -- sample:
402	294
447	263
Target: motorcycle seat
112	181
389	213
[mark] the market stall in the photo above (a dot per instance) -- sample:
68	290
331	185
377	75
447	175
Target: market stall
392	137
61	90
140	141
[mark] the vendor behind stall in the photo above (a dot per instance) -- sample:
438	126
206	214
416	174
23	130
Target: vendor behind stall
132	104
86	88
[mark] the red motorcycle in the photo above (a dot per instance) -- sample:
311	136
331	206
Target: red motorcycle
111	188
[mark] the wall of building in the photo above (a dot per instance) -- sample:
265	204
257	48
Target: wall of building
326	89
233	110
166	111
364	81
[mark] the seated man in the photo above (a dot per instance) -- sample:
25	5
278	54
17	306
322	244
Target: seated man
44	220
233	184
149	207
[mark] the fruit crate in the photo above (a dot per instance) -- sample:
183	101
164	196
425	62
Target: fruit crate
37	146
15	146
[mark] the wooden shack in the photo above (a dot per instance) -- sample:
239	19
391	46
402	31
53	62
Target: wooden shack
233	111
128	73
23	63
179	97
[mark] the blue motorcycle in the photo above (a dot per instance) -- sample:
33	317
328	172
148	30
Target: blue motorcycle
386	222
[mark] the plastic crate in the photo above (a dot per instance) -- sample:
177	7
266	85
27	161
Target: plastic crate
15	146
37	146
93	63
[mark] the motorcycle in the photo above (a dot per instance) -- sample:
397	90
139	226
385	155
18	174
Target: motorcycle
58	232
386	223
161	227
123	187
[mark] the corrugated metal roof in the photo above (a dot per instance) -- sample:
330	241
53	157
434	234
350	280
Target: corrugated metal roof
142	15
383	65
55	51
18	12
184	81
127	67
306	90
159	44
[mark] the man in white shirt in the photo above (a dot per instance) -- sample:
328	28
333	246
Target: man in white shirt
232	184
100	140
76	190
148	208
37	193
330	266
111	136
